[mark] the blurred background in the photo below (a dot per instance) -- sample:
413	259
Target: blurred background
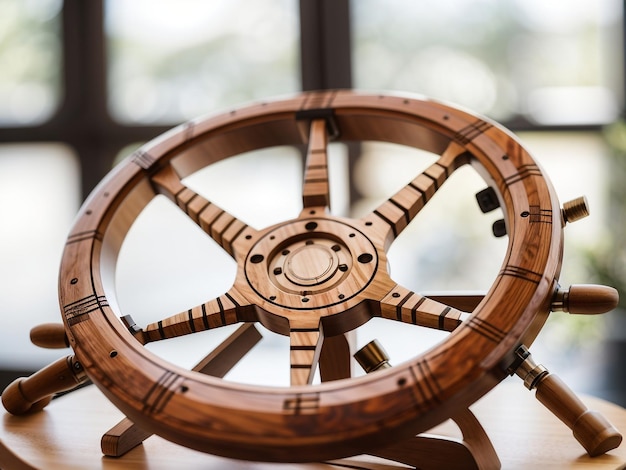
83	84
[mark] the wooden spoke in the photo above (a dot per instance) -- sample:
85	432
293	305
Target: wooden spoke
399	210
461	301
408	307
224	310
315	191
336	357
220	225
304	348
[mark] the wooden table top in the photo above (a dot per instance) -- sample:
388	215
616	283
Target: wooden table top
66	435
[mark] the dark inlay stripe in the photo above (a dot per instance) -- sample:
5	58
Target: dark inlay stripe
161	392
430	381
414	310
221	233
205	319
486	329
521	273
81	236
84	306
471	131
191	324
421	191
442	317
234	302
407	216
525	171
391	224
204	206
539	215
303	348
401	303
425	384
222	313
301	403
143	159
239	232
445	168
434	180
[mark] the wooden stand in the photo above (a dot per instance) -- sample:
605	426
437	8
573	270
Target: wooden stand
316	278
66	436
472	451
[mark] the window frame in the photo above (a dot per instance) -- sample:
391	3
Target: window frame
82	120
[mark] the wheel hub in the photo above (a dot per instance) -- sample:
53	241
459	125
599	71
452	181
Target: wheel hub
311	264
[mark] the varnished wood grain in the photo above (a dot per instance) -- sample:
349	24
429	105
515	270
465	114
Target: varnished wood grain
67	436
313	277
49	335
315	191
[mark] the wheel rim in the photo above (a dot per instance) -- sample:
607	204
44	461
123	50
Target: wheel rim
339	418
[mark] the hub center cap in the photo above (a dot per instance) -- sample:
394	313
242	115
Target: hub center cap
308	266
311	264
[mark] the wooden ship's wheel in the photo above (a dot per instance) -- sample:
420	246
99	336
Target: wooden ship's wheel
316	278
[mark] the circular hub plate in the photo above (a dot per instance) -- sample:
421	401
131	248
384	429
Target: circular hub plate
311	264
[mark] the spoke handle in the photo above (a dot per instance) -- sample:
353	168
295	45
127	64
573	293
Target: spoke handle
594	432
49	336
585	299
30	394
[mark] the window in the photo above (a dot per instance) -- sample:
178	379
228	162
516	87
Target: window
183	59
79	81
39	197
30	61
547	62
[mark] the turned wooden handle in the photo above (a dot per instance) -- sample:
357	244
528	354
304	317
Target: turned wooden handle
29	394
50	336
590	428
592	299
586	299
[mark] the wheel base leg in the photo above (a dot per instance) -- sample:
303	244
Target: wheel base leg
126	435
429	452
592	430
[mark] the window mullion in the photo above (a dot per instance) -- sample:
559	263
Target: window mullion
325	44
